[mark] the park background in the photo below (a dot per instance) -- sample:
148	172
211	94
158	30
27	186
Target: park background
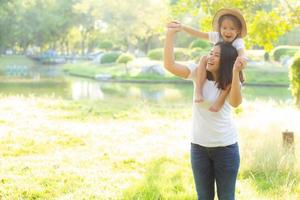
87	110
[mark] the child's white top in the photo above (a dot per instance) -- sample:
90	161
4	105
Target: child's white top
211	129
215	37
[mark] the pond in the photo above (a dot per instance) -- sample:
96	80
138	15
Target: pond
76	89
51	81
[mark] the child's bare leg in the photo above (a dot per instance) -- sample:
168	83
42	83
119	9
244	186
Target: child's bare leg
217	105
200	78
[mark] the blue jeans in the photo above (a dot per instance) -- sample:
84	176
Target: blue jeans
215	164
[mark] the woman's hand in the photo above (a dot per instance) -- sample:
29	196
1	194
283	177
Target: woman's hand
174	24
239	64
174	27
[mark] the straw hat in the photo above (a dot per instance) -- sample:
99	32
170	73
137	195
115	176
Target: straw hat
230	11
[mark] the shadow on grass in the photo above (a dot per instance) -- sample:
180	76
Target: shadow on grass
165	178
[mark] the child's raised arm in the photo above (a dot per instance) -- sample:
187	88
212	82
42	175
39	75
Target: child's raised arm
189	30
195	32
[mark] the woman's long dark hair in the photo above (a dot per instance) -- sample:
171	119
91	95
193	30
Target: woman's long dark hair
228	56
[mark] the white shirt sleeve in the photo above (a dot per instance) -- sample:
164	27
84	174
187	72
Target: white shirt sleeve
193	72
213	37
238	44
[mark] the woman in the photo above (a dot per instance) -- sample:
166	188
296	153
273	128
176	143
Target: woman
214	147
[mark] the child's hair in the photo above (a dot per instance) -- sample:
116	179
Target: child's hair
233	18
228	56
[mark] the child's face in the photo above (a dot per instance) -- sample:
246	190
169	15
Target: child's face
228	30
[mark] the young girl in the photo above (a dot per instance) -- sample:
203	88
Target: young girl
231	28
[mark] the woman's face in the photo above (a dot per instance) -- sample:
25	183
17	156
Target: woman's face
213	60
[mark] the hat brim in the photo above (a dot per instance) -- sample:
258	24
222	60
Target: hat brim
229	11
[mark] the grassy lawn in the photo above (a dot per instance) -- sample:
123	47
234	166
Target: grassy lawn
270	73
118	71
267	74
59	149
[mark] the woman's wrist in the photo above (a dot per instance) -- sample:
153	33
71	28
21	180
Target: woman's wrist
235	74
171	33
235	71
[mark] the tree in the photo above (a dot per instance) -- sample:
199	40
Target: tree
134	23
7	24
266	19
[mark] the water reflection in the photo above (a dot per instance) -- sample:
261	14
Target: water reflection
49	82
155	95
86	90
34	72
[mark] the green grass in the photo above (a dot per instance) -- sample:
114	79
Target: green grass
15	60
165	178
130	149
266	74
89	69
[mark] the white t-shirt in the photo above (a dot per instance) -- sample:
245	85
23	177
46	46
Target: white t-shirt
211	129
215	37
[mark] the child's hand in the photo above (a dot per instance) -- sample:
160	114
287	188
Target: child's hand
243	60
203	60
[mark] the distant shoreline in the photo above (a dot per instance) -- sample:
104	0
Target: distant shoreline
174	82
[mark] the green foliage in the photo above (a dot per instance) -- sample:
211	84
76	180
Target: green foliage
125	58
181	54
107	45
280	51
266	28
294	75
266	56
199	44
196	53
266	20
156	54
110	57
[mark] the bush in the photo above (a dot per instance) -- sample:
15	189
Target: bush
125	58
280	51
199	44
181	54
196	53
107	45
155	54
110	57
294	75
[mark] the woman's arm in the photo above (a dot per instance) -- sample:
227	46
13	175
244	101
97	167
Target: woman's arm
169	63
235	94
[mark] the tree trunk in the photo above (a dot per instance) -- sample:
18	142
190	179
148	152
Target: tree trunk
147	44
67	47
